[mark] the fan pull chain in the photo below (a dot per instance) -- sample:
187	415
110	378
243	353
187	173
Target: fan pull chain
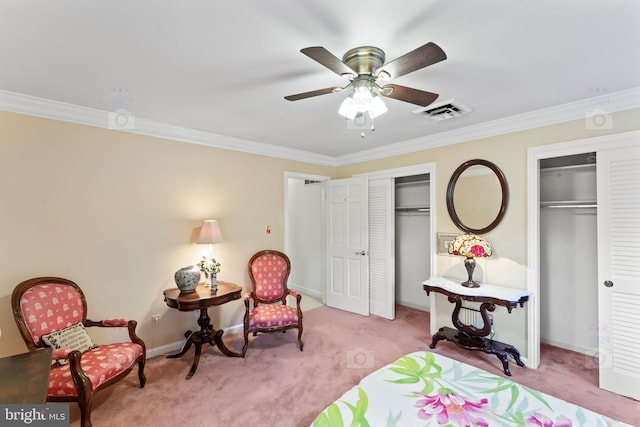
373	128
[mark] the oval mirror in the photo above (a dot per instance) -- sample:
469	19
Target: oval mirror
477	196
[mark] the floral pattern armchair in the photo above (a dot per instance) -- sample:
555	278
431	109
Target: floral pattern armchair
53	311
269	271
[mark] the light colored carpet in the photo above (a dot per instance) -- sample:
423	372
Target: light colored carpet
277	385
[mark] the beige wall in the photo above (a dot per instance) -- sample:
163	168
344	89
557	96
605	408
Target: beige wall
117	213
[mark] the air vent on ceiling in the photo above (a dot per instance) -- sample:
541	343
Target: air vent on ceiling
443	110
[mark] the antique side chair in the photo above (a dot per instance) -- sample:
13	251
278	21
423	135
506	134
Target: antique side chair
269	271
52	311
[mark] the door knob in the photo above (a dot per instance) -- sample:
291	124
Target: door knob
363	253
608	283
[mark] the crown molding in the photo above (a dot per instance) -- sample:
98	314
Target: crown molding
617	101
34	106
41	107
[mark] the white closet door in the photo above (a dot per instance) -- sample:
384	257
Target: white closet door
381	251
619	270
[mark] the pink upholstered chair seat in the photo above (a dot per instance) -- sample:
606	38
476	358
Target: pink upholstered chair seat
272	316
100	364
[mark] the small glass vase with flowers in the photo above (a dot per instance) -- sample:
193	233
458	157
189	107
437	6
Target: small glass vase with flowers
210	269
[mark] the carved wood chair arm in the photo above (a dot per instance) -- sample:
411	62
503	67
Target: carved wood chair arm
119	323
247	299
107	323
80	379
131	326
294	294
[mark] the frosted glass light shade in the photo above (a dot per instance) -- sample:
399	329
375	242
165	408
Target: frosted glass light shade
362	101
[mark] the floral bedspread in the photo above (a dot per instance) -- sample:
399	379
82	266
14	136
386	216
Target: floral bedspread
427	389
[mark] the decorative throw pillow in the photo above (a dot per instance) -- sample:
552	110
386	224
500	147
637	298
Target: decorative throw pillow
75	337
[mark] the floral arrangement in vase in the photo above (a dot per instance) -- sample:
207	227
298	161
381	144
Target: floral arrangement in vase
210	269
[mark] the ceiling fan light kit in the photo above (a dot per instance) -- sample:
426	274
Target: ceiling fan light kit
363	67
364	99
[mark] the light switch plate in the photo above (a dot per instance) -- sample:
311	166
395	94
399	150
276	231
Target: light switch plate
443	242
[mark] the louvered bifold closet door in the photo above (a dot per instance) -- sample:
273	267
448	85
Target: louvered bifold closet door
381	238
618	335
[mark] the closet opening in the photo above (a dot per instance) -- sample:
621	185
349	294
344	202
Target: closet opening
412	239
569	252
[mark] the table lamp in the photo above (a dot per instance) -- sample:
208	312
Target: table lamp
471	247
210	234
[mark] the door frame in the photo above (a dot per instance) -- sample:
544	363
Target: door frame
287	220
424	168
534	155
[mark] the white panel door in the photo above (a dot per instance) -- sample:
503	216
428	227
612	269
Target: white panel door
347	245
382	295
619	270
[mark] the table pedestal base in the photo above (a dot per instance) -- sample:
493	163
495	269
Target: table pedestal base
489	346
205	335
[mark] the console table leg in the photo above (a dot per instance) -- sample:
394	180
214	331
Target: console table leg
437	337
505	363
515	354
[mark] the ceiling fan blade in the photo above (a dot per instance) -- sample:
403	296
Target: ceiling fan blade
312	93
421	57
408	94
329	60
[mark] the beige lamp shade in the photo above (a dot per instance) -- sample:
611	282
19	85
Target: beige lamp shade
210	233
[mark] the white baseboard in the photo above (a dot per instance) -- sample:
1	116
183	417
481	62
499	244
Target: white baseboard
164	349
409	304
306	291
568	346
235	329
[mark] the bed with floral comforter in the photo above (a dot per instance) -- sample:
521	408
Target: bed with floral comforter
428	389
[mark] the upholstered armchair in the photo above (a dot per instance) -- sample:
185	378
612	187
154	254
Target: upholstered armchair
269	271
51	311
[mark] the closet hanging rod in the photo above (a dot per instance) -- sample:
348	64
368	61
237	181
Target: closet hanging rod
420	181
413	209
587	166
569	204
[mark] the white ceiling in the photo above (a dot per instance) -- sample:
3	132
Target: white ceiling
224	67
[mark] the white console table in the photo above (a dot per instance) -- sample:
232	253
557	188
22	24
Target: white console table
469	336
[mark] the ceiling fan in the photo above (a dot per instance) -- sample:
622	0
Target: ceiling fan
364	67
